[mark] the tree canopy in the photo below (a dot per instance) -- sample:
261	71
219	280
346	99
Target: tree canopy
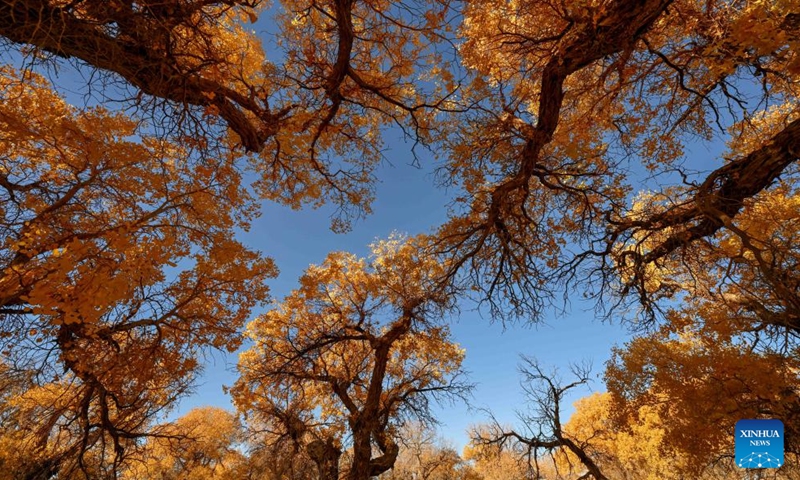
570	135
358	348
118	267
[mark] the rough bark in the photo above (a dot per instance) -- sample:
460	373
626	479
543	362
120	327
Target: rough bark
721	196
136	45
366	424
326	455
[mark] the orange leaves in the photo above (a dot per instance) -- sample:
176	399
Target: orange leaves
119	252
554	122
358	341
709	386
201	445
118	245
736	320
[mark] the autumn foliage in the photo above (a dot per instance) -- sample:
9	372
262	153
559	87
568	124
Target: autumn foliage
118	268
574	137
358	348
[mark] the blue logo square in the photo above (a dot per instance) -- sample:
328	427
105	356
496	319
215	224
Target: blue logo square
759	443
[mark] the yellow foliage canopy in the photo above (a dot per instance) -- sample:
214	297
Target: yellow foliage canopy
357	348
118	263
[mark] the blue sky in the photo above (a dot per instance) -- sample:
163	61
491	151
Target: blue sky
408	201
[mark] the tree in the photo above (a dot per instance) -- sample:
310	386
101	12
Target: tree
273	456
20	456
358	347
118	266
198	53
423	457
565	96
606	439
635	451
495	461
200	445
544	438
736	320
639	449
314	120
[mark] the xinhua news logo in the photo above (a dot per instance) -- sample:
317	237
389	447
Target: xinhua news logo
759	443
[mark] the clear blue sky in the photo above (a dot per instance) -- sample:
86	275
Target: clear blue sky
408	201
